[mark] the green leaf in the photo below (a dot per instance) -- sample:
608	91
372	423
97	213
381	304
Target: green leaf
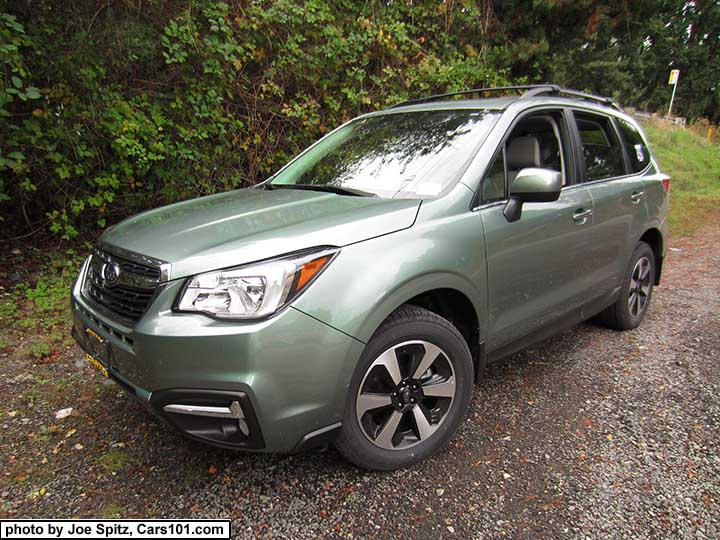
16	81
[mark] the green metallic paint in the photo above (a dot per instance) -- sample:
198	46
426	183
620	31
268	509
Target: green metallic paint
249	225
537	266
296	366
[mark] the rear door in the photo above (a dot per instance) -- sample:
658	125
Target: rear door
537	266
608	171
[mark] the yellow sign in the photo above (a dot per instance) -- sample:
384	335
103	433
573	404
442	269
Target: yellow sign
674	75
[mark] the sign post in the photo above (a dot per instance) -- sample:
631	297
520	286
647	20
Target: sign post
674	76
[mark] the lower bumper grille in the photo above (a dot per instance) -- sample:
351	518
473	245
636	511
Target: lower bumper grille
220	418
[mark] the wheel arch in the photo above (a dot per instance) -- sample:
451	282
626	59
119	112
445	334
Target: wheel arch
654	238
446	295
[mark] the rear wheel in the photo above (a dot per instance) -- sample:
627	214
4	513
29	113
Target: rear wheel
409	392
630	308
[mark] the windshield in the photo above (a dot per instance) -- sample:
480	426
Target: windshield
401	155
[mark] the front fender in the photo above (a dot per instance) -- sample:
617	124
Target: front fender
369	280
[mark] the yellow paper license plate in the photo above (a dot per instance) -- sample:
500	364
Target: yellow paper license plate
102	369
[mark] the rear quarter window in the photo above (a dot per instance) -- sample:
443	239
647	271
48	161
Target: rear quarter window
637	150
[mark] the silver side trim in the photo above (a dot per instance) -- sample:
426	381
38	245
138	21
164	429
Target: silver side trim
234	412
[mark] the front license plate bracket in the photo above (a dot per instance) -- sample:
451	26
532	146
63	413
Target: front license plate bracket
97	364
98	351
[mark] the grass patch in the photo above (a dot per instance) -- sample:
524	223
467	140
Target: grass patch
39	304
8	307
693	163
195	474
49	298
111	511
38	350
114	460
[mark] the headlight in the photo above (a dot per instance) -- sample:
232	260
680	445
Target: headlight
256	290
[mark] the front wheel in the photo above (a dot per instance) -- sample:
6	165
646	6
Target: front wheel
630	308
410	391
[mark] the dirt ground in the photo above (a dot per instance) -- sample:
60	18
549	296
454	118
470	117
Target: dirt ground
591	434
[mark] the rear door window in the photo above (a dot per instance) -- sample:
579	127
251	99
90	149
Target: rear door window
600	146
637	150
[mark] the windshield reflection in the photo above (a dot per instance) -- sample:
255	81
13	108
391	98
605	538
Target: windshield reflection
394	155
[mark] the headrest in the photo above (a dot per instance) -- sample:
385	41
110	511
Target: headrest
523	152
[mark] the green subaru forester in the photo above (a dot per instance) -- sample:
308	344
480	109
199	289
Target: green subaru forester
355	296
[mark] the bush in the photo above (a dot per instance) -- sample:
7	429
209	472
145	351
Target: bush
141	104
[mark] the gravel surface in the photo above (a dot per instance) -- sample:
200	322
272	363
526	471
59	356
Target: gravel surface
591	434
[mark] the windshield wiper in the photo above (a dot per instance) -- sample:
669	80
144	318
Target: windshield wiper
318	187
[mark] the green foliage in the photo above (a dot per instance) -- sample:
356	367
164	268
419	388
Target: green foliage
619	48
48	299
114	460
693	163
38	350
144	104
13	87
8	308
108	109
112	511
43	308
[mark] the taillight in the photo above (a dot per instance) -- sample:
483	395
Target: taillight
666	184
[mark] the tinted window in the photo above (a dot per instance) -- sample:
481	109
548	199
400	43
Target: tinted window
534	142
401	155
601	149
636	148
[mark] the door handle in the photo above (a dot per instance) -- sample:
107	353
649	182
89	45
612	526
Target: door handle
635	196
581	216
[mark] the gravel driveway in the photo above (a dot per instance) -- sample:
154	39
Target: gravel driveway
593	434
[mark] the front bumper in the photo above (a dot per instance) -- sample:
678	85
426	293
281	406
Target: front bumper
289	374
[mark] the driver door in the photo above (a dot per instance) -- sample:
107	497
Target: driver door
538	266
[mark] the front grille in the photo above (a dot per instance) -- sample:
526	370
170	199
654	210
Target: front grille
134	268
129	295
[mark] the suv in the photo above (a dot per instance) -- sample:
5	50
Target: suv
356	295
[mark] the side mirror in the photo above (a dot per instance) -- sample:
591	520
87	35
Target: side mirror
532	185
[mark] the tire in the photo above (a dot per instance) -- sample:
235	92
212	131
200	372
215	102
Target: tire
416	366
630	308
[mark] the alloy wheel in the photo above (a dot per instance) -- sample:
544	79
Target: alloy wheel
639	286
405	395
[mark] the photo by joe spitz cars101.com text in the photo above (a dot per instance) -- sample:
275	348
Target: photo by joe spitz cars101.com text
356	296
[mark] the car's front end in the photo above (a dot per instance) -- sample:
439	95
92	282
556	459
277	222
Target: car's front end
216	379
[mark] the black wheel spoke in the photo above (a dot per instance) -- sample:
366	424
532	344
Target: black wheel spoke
388	431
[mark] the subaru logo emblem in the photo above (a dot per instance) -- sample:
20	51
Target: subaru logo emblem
110	273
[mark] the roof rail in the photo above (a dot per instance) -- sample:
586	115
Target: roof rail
555	89
531	90
436	97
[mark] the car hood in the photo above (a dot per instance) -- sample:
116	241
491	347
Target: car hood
252	224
